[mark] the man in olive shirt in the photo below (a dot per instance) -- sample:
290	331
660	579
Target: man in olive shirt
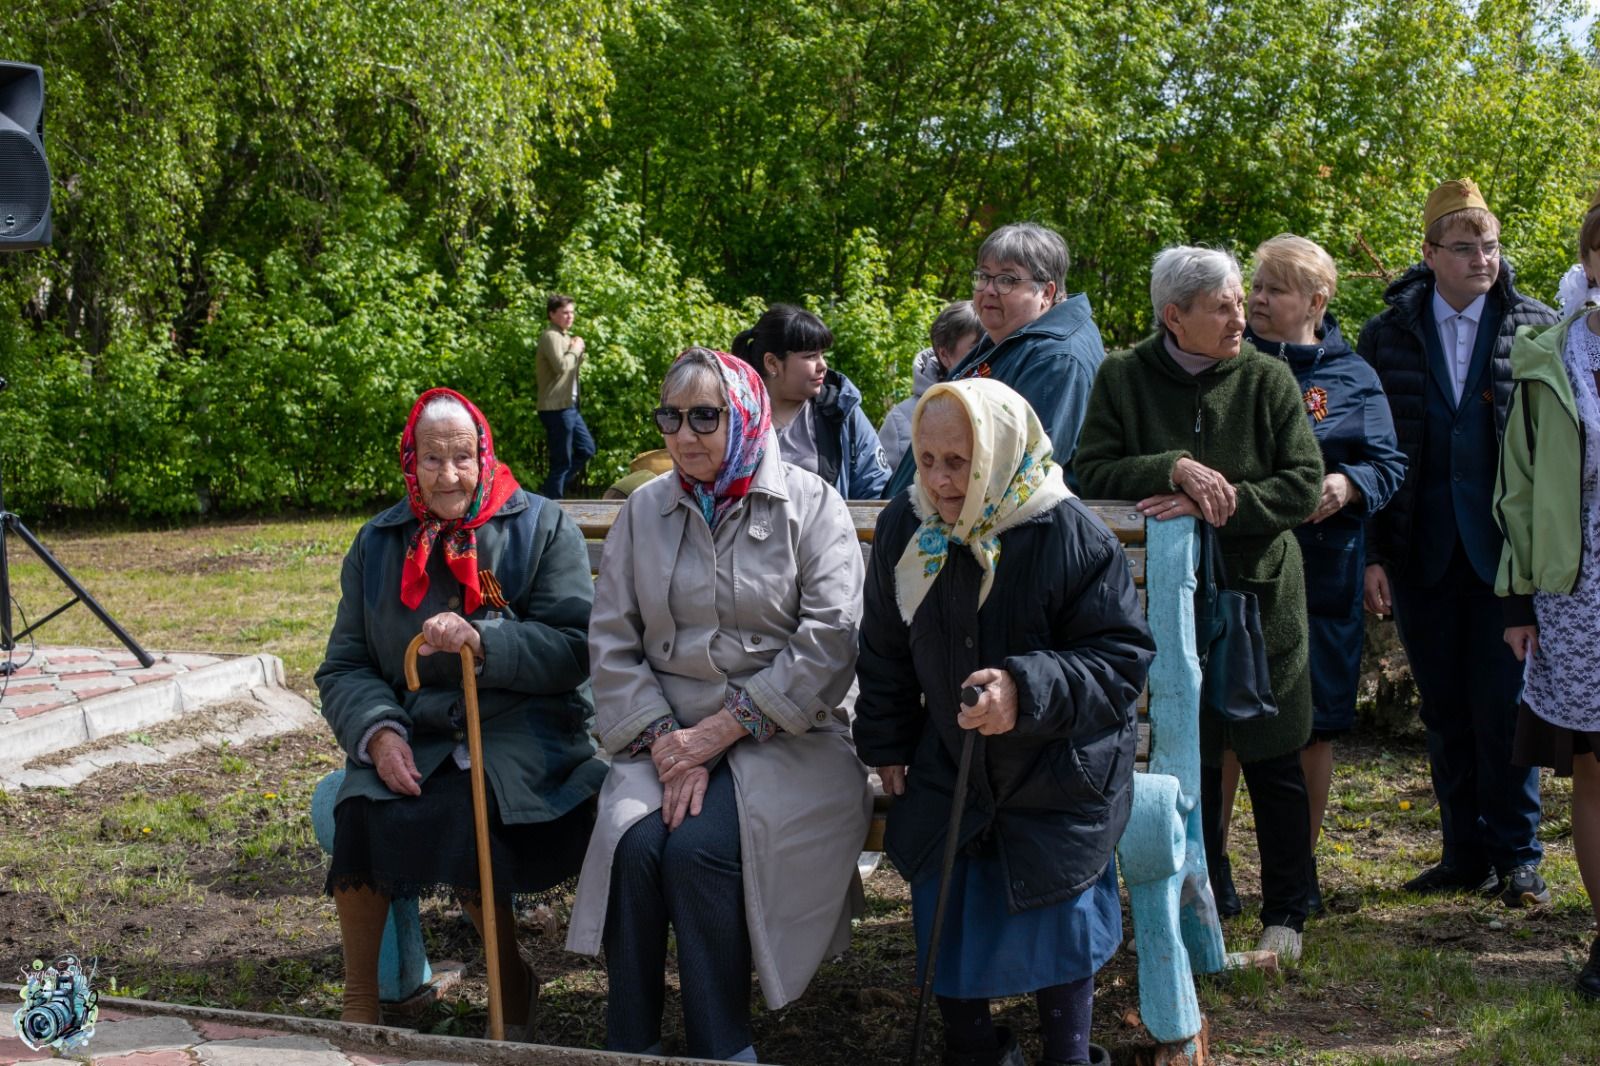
559	355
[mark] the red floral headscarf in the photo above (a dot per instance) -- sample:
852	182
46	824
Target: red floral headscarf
496	483
749	422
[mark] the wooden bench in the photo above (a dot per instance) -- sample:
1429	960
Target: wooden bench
1161	854
594	518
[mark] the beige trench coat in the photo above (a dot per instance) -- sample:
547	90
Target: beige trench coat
770	607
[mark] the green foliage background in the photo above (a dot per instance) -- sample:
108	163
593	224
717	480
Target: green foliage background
277	221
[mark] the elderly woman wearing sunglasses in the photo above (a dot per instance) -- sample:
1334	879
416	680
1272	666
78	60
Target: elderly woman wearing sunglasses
722	644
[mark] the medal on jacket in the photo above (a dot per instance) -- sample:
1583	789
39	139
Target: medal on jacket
982	370
1316	399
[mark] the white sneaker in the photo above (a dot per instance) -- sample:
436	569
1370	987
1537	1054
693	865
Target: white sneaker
1282	941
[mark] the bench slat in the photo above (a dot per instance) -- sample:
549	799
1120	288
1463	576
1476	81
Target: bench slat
594	517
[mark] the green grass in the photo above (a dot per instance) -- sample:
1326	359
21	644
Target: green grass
236	587
139	868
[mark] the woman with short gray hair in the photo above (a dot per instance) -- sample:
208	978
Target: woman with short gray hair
1038	338
1194	421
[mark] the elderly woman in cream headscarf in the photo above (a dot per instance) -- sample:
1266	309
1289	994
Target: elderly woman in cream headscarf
989	573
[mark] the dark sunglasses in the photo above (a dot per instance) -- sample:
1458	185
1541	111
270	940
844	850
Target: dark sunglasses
701	419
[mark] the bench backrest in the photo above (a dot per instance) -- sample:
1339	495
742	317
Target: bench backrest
594	518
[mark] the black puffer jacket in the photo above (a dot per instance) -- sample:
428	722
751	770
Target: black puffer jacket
1392	342
1062	617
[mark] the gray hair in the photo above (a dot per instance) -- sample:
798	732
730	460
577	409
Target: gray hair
1037	249
694	368
954	322
445	409
1182	272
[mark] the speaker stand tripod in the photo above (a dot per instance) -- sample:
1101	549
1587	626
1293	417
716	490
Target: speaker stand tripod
11	525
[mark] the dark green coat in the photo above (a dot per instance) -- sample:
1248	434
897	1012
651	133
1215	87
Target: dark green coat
533	693
1245	418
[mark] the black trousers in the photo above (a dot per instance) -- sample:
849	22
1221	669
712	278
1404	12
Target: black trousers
1471	684
691	880
1283	833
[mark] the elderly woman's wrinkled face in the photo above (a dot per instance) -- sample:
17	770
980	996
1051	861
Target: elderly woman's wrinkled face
1213	325
1281	312
1002	314
943	450
699	455
447	464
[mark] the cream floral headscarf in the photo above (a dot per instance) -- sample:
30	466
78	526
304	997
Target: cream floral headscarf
1013	479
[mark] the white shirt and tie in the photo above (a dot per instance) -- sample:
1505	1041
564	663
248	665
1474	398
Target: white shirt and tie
1458	335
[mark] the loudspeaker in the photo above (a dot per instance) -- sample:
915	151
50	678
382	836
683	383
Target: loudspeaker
24	173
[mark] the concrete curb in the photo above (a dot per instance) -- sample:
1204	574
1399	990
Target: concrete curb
135	708
387	1039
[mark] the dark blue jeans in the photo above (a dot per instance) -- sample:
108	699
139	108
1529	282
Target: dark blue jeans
571	448
690	879
1470	684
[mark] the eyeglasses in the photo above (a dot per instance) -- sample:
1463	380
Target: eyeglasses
1003	283
1465	250
701	419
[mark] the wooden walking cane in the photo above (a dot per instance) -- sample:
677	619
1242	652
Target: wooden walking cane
969	696
480	822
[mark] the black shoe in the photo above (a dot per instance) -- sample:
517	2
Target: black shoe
1227	897
1098	1056
1448	880
1523	887
1007	1054
1589	977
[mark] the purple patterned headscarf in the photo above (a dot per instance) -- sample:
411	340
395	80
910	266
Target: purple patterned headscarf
749	422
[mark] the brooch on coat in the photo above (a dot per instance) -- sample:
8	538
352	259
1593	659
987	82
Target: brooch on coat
1316	399
489	589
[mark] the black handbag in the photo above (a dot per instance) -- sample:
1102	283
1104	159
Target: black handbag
1234	683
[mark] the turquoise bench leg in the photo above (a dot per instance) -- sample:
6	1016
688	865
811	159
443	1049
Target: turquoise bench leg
1162	852
1151	857
403	969
1172	549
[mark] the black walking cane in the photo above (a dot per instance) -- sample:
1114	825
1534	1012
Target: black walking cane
969	696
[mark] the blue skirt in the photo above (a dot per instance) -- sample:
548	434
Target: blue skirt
987	952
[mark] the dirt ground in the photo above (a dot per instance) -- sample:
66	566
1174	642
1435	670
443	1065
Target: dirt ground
206	920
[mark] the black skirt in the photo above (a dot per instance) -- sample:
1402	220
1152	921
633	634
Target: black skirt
1542	743
426	845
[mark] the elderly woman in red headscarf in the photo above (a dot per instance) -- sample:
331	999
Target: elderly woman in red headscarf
724	643
468	559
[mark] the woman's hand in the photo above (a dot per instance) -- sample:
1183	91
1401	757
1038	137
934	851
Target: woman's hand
996	709
449	632
1338	492
1375	590
1524	641
682	750
1217	498
894	780
391	757
1169	505
682	796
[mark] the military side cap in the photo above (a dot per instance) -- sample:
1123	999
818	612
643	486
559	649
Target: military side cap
1450	197
626	485
657	461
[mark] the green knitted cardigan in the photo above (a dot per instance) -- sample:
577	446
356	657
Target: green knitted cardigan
1244	417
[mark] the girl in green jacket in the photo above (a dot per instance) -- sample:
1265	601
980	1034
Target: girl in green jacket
1547	501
